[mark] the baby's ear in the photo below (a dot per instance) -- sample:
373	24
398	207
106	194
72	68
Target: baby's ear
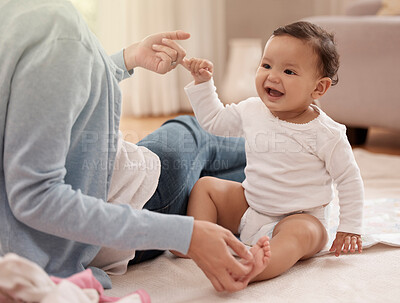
322	86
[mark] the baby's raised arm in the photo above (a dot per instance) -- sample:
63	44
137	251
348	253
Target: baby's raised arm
201	69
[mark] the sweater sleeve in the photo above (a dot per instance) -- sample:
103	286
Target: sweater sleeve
210	112
342	167
49	89
119	61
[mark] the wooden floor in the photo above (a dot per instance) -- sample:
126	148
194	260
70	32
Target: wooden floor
383	141
378	140
135	129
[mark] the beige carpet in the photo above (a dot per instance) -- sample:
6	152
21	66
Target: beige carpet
373	276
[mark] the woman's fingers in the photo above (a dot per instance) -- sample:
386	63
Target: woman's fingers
170	52
180	51
209	249
177	35
214	281
172	49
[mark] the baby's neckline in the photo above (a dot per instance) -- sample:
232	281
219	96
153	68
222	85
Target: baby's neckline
305	124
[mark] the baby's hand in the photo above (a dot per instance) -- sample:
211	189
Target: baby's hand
201	69
348	242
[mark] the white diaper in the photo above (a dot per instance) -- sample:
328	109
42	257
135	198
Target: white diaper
254	225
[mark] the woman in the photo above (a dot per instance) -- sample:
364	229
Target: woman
60	108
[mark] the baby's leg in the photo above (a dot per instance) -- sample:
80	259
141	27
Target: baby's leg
297	237
219	201
223	202
262	255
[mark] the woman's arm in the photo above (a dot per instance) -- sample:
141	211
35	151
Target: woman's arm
50	89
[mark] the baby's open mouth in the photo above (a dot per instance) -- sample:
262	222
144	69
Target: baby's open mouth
273	92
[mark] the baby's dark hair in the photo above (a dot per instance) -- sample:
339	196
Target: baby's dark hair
322	42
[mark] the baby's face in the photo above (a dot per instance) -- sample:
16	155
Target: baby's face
287	76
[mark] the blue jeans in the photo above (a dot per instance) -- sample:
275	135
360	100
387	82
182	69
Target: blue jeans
187	152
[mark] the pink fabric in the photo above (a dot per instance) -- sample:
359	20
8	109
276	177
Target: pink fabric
86	280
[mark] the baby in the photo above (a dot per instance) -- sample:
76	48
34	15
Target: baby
295	154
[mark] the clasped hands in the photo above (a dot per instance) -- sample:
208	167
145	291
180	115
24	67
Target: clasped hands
161	53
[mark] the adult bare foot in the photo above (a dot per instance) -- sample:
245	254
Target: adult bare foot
262	255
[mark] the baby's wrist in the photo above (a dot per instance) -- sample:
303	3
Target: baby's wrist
199	81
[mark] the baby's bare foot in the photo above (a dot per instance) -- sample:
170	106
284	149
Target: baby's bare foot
262	253
262	256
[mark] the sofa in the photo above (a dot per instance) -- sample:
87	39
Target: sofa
368	92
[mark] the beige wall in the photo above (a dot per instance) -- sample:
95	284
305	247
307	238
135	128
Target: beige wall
258	18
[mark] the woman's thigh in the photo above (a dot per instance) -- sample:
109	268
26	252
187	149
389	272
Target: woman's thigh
186	153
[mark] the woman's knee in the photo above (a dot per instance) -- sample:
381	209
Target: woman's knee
184	126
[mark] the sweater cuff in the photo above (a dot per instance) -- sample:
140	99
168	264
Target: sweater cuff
171	231
122	72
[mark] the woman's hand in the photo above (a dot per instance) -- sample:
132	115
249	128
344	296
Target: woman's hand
209	249
346	242
158	52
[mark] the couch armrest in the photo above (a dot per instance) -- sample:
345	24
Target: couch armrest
368	92
363	7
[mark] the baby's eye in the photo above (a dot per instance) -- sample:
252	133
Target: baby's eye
267	66
289	72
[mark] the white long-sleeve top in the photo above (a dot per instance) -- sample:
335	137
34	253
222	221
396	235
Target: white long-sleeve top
290	167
